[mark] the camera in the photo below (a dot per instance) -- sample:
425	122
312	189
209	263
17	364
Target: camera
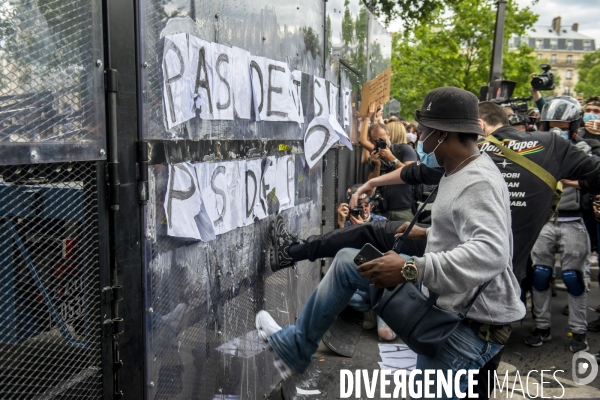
543	81
378	202
380	144
356	211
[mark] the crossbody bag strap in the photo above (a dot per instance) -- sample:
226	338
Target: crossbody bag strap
415	219
465	310
526	163
534	168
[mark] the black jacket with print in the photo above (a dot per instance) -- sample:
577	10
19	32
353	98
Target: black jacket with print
531	198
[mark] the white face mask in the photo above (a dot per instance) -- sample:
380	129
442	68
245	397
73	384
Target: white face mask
411	137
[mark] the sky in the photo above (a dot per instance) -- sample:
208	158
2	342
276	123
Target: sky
585	12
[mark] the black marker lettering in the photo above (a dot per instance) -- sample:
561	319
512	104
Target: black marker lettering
317	100
221	59
327	135
172	47
253	177
179	194
297	96
272	89
219	170
254	65
203	83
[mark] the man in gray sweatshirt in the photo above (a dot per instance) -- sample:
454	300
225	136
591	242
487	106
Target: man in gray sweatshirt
468	244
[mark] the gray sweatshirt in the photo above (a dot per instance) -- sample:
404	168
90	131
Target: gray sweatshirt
470	242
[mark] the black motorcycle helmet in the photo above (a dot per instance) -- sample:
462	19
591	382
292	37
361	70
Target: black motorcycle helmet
562	108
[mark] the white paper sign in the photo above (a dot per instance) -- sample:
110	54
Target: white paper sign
285	182
242	86
319	138
202	72
346	93
278	100
397	356
184	207
342	136
268	183
296	94
259	84
333	99
251	197
177	86
320	98
222	82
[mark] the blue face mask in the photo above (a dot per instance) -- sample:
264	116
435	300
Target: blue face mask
590	117
428	158
565	134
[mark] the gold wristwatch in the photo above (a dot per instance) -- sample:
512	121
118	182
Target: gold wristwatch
410	271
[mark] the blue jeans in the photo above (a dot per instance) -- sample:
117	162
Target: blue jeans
295	344
463	350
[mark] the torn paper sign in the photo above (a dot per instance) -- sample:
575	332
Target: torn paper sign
285	182
222	80
342	136
184	207
319	138
259	83
321	103
242	86
220	184
346	98
177	84
202	73
397	356
268	196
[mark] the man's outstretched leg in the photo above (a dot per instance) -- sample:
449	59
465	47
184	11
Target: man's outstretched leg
294	345
287	249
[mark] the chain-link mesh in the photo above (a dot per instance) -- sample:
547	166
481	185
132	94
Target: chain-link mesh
49	282
49	75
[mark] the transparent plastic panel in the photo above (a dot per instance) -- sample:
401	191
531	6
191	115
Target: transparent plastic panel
51	81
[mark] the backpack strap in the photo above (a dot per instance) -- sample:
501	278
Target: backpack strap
545	176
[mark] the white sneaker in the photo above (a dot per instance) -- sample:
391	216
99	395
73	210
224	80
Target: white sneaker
266	326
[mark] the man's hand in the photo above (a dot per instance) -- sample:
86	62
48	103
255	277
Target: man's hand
356	220
376	158
373	107
342	214
386	154
416	233
593	127
384	271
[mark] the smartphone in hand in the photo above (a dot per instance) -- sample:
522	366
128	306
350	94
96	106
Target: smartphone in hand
367	253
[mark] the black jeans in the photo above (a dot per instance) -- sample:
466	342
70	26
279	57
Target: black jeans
380	234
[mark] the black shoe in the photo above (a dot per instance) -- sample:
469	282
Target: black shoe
579	343
281	240
597	355
538	337
594	326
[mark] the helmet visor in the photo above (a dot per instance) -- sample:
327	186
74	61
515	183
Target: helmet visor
560	110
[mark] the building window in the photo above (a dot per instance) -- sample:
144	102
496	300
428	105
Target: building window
539	56
586	45
553	44
539	43
568	90
569	74
569	59
569	44
553	59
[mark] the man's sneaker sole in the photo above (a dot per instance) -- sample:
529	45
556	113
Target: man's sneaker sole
544	340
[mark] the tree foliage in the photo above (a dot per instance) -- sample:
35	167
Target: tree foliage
589	75
454	48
